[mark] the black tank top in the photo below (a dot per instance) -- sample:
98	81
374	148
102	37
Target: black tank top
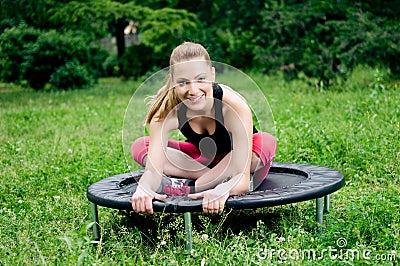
217	144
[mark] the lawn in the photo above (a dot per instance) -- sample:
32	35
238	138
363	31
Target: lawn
54	144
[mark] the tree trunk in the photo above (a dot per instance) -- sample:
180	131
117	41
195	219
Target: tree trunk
120	36
120	39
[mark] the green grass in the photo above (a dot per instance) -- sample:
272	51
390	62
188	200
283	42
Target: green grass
54	144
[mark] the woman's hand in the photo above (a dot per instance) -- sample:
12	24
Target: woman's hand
142	200
213	199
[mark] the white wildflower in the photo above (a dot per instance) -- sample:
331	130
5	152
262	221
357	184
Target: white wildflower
204	237
280	239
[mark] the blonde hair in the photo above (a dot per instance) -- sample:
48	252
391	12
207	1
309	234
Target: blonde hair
166	98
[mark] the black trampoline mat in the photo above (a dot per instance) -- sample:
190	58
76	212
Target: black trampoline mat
280	180
285	183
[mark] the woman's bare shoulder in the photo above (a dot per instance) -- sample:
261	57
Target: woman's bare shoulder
170	122
232	98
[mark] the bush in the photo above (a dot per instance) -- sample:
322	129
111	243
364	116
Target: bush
138	60
300	38
95	63
322	40
15	44
33	55
111	66
325	40
52	50
71	75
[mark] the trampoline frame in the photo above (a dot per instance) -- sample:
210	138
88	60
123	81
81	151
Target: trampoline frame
314	173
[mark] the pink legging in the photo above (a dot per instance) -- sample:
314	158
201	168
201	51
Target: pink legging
264	145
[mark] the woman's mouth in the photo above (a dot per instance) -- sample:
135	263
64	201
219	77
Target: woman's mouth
197	99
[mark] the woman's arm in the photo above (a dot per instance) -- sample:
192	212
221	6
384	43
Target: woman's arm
142	199
156	156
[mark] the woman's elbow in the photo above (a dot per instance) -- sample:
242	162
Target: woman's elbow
241	187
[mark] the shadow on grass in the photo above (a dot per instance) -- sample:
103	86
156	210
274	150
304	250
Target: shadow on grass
275	220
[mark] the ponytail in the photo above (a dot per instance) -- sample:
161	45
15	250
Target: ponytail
163	102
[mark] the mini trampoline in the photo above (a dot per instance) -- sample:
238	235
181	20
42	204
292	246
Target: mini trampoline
286	183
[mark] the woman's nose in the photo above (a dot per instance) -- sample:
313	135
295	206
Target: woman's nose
193	87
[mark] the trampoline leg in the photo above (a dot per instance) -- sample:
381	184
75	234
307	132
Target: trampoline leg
95	219
251	186
188	231
320	213
327	203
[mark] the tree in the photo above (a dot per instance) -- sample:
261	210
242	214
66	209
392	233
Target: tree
32	12
164	28
322	39
161	29
98	17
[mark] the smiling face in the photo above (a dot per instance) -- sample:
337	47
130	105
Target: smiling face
192	81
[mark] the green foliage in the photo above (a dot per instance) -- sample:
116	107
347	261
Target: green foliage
166	28
111	66
161	29
33	55
95	60
96	16
15	46
216	41
71	75
52	50
32	12
364	39
322	41
228	28
319	40
298	39
137	60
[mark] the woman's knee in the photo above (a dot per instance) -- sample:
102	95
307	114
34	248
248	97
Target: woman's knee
269	143
264	145
139	149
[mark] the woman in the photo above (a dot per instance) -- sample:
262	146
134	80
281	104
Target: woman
222	146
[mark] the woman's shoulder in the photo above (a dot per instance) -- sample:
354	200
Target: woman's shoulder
234	108
232	97
169	122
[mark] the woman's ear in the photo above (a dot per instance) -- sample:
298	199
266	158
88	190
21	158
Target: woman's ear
213	74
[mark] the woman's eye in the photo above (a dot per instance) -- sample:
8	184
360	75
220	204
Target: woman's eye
182	83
